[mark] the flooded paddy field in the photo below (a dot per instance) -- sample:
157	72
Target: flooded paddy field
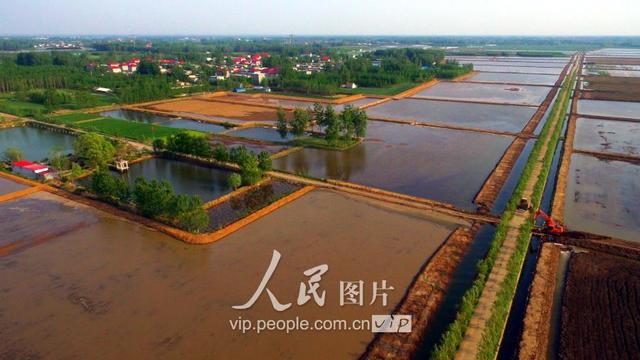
480	116
519	69
168	121
261	133
508	94
621	109
440	164
615	137
251	201
499	64
512	59
207	182
221	111
600	307
533	79
69	298
35	143
251	145
37	218
8	186
601	197
611	88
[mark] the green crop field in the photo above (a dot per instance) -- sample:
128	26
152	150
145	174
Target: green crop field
139	131
73	118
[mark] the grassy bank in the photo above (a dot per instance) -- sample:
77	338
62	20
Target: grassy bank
322	143
452	338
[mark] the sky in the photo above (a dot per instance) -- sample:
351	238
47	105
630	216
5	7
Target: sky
319	17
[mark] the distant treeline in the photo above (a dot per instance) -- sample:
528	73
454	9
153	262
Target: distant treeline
378	69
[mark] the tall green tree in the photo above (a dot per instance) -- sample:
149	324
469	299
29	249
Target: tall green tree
282	122
94	150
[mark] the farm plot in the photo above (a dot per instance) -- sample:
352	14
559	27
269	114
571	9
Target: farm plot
479	116
611	88
620	109
143	132
444	165
172	122
601	197
506	94
600	307
214	110
605	136
507	78
100	276
519	69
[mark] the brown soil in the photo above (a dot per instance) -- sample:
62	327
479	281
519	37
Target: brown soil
612	61
218	109
612	88
537	321
601	308
423	299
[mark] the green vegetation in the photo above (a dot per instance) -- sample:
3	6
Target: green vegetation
381	91
143	132
13	154
93	150
154	199
235	181
187	143
452	338
72	118
387	70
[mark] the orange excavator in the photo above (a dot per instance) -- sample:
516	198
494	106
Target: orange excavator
551	226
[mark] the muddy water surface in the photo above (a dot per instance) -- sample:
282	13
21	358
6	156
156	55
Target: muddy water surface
8	186
602	197
622	109
478	116
515	78
190	179
519	69
511	94
261	133
115	290
615	137
35	143
440	164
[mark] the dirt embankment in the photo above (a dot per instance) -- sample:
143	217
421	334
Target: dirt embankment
557	209
423	298
491	188
601	307
611	88
537	321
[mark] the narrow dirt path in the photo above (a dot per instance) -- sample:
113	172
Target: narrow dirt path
470	345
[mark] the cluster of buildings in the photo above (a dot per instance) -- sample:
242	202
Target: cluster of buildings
246	66
310	63
126	67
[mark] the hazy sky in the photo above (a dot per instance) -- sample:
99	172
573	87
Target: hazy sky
324	17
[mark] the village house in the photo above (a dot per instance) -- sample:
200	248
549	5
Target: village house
31	170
